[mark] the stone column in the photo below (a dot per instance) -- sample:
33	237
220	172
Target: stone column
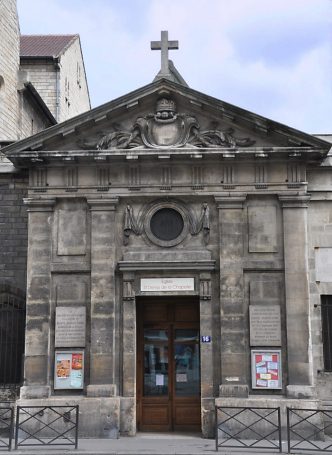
128	402
206	320
37	360
300	374
234	359
103	349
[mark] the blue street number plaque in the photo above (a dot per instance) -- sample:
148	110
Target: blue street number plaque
206	339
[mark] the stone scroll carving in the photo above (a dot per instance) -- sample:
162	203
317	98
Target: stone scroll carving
169	129
195	224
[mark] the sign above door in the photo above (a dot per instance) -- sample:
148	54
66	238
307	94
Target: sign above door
167	284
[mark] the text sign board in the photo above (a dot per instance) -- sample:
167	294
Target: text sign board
266	369
69	370
265	325
167	284
70	325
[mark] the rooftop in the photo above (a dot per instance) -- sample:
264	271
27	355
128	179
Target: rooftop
45	45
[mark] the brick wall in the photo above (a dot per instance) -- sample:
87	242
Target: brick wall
13	230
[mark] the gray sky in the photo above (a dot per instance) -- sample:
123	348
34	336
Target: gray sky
272	57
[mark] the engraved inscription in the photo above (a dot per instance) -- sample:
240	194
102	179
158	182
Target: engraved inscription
70	327
265	325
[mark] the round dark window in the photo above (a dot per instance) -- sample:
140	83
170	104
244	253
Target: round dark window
166	224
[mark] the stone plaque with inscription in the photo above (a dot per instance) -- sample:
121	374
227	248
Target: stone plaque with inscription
265	325
70	327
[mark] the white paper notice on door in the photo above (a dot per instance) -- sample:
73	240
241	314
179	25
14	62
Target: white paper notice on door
181	377
160	379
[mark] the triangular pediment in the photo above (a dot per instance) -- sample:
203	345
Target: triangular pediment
165	115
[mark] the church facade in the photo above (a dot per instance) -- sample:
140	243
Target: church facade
179	256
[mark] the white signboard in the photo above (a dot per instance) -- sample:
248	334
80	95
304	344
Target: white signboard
323	258
167	284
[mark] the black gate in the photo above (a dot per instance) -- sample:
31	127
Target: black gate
12	325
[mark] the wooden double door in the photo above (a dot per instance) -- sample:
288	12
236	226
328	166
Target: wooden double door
168	365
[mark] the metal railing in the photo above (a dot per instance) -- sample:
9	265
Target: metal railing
248	428
46	426
6	425
309	430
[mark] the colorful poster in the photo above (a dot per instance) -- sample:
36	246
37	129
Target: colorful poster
266	369
63	368
68	370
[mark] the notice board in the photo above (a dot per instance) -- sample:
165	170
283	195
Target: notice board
69	370
266	369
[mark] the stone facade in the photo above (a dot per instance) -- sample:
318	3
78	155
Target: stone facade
253	201
60	80
9	64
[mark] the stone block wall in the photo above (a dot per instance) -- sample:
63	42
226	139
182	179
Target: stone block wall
31	119
13	231
9	65
74	97
42	74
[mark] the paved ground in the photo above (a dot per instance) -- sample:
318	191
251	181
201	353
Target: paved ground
143	443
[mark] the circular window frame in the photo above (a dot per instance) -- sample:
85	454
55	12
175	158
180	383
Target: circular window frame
156	240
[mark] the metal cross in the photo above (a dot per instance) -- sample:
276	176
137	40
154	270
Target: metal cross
164	45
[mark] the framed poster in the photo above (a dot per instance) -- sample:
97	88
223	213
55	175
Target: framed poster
266	369
69	370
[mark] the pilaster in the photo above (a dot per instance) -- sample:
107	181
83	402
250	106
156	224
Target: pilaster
103	311
300	374
37	359
234	375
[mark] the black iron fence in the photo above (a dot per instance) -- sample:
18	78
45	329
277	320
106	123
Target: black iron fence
309	430
248	428
6	426
46	426
259	428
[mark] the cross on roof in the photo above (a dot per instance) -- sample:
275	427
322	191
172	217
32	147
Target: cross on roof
164	45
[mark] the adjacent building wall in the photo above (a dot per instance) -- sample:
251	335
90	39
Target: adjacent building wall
61	81
9	66
13	230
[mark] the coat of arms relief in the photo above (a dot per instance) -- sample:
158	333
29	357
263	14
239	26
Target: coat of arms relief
167	128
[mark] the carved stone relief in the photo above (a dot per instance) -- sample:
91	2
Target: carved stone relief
169	129
181	222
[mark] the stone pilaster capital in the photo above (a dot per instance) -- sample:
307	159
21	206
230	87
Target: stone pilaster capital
39	205
230	201
294	201
103	204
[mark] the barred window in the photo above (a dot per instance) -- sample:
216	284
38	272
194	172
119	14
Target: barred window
327	330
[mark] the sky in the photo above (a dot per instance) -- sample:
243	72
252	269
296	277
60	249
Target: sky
271	57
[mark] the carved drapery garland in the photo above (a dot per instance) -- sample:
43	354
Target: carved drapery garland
135	225
169	129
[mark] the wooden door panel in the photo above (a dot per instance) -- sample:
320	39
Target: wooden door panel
186	313
187	414
169	408
155	414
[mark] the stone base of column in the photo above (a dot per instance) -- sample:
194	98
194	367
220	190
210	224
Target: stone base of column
300	391
128	416
208	417
236	391
30	392
101	390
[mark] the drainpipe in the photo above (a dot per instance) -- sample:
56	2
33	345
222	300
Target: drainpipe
57	88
